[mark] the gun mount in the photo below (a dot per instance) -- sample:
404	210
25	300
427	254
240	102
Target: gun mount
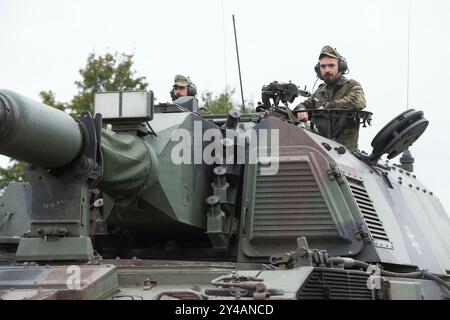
322	120
284	92
197	198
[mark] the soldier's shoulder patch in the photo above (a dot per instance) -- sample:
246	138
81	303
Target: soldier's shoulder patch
354	83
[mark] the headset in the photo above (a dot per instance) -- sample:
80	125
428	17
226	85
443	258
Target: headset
192	90
342	67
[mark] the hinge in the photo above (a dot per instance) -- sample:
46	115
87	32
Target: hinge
335	174
361	232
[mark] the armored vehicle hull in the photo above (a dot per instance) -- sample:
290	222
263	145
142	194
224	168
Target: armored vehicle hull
249	206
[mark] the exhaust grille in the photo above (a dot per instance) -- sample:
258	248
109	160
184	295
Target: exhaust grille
335	284
373	222
290	204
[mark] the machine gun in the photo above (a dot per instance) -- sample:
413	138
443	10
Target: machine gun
284	92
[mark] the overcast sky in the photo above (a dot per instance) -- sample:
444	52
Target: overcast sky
44	43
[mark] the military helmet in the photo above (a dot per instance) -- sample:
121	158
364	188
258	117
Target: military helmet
181	81
329	51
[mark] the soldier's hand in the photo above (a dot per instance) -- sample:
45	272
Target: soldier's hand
302	116
330	105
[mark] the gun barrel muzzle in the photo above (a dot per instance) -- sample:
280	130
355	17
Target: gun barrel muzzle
36	133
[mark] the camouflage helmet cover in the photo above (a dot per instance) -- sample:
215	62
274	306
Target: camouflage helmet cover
330	52
181	81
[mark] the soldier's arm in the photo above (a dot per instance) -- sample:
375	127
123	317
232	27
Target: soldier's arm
353	100
309	103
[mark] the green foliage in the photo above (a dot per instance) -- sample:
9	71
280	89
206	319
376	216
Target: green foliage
224	102
249	107
110	72
14	172
219	104
48	98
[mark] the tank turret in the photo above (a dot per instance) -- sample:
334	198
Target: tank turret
134	169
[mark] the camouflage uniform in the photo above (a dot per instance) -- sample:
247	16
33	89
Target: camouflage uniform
344	94
203	111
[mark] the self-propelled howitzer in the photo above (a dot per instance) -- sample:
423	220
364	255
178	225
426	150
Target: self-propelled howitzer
303	217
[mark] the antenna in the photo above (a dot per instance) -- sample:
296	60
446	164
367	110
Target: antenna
406	160
239	65
407	69
224	54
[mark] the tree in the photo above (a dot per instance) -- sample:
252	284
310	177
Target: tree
13	173
223	103
48	98
105	73
249	107
219	104
110	72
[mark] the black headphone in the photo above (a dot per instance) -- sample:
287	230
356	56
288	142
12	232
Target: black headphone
192	89
342	67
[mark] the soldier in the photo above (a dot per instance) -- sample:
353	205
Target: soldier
182	87
336	92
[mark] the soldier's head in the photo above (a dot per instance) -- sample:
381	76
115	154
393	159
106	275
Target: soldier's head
182	87
331	65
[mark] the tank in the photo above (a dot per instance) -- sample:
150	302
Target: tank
156	202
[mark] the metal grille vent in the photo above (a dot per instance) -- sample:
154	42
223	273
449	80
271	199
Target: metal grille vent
290	204
335	284
373	222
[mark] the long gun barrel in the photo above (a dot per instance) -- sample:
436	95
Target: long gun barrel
35	133
49	138
68	157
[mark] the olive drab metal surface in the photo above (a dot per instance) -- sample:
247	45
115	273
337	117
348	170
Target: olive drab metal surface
194	206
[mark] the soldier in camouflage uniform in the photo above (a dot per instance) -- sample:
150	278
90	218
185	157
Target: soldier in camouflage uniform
336	92
182	87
